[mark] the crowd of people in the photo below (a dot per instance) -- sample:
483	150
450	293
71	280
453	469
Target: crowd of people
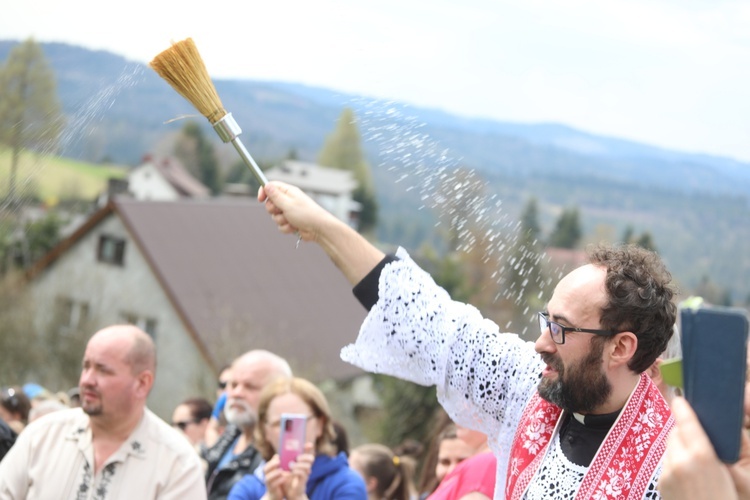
223	449
580	413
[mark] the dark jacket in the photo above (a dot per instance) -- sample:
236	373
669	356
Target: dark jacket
220	480
7	438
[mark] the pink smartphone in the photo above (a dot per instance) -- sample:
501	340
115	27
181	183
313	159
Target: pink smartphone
292	439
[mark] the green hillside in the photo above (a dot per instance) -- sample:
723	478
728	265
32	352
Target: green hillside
52	179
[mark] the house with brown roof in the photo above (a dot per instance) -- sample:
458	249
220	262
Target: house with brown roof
331	188
209	280
164	179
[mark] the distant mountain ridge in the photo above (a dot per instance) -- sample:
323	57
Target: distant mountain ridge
564	138
695	205
279	116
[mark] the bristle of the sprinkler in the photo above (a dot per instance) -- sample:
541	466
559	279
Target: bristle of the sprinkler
182	67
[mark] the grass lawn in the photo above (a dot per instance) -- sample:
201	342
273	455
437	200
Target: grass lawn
52	178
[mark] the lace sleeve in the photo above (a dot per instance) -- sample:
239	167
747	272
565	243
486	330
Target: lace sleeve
416	332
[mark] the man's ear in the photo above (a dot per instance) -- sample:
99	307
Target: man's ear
622	348
144	381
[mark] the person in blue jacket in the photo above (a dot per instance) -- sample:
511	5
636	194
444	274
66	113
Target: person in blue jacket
318	473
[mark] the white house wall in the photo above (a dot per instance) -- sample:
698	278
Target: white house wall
111	290
146	183
340	205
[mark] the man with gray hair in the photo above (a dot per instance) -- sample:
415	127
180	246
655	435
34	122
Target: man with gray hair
234	455
111	447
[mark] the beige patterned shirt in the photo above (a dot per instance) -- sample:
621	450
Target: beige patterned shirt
53	458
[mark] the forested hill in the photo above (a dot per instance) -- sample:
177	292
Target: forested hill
694	205
121	108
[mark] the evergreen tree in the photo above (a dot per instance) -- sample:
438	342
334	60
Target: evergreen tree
567	233
710	292
457	199
524	276
530	220
39	237
239	173
450	272
199	157
343	150
726	298
407	408
646	241
42	236
30	113
628	234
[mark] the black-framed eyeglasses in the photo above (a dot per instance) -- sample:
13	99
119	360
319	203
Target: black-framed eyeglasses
222	384
557	331
183	424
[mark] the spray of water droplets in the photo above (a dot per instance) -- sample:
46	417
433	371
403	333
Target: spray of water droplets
79	124
425	168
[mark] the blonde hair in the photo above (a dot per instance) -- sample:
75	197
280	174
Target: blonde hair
312	397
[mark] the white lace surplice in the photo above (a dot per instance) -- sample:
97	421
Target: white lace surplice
557	477
416	332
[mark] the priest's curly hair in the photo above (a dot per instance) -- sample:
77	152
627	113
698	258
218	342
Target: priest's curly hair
639	299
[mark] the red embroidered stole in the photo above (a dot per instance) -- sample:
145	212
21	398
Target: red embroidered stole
626	460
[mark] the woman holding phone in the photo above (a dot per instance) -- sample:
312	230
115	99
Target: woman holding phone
317	472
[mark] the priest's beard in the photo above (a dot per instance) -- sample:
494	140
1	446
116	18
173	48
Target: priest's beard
581	387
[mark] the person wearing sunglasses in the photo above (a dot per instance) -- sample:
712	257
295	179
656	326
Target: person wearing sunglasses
191	418
572	415
113	446
225	374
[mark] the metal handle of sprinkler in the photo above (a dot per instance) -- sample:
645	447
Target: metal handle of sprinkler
229	131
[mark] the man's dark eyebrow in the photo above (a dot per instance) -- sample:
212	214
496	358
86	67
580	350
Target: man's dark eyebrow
560	318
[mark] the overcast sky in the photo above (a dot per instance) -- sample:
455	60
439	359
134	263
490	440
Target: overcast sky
672	73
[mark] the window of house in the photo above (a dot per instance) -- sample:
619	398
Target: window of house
129	318
70	314
64	311
111	250
83	312
148	325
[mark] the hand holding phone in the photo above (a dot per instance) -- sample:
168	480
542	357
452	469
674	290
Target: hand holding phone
292	438
714	362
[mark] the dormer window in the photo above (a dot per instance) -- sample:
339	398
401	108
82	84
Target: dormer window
111	250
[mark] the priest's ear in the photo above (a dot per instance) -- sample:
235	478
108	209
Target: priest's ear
622	348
